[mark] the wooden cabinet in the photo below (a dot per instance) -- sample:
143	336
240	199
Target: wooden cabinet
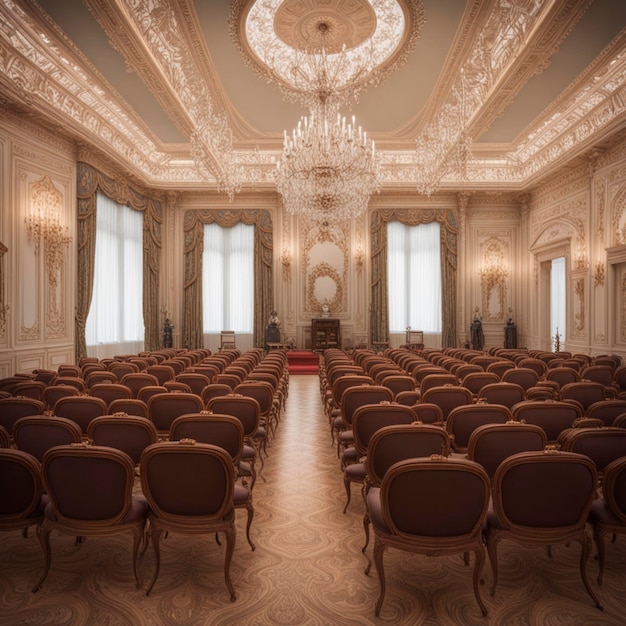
325	333
510	336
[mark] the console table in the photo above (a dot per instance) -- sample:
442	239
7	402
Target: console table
325	333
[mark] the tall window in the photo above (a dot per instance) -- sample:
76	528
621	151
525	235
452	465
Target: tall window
414	277
228	278
116	313
557	301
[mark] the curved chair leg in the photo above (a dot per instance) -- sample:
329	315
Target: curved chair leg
366	528
230	548
599	540
478	568
156	537
378	559
44	539
248	524
492	551
346	484
584	557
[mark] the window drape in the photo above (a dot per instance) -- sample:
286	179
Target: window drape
228	278
414	277
379	219
116	312
89	182
193	226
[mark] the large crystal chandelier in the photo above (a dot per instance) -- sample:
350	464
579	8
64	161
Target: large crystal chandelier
329	168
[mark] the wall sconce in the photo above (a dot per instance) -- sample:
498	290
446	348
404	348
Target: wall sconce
359	259
285	259
43	222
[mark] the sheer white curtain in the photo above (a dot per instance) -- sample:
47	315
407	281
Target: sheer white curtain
414	281
228	284
115	322
557	301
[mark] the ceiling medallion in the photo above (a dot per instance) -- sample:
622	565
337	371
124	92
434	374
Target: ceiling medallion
364	41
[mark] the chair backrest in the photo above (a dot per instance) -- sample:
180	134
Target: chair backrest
619	377
227	339
38	433
563	375
398	442
88	485
11	409
464	420
552	417
20	489
428	413
535	364
96	377
121	368
66	369
30	389
73	381
399	383
110	391
585	392
354	397
448	397
162	372
601	445
507	394
607	410
500	367
223	430
529	495
490	444
129	433
602	374
81	409
130	406
261	391
245	408
164	408
475	381
137	380
188	483
432	500
196	381
437	380
614	488
369	418
525	377
215	390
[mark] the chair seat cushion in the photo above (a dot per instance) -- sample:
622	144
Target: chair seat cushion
240	495
356	472
349	456
375	511
601	513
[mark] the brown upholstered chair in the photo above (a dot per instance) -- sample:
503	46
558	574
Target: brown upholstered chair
608	513
110	391
52	393
603	374
447	398
137	380
130	433
36	434
164	408
162	372
189	487
396	442
264	394
437	380
66	369
11	409
507	394
121	368
434	506
563	375
145	393
30	389
73	381
601	445
584	392
81	409
475	381
607	410
532	507
500	367
248	411
195	381
21	492
100	376
174	385
399	383
553	417
525	377
226	432
490	444
91	494
130	406
464	420
536	364
367	419
215	390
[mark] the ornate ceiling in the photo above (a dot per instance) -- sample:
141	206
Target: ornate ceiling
158	86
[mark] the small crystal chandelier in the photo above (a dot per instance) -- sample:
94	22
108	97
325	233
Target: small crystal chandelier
329	168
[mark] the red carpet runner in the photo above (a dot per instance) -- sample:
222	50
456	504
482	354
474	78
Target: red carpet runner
302	362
